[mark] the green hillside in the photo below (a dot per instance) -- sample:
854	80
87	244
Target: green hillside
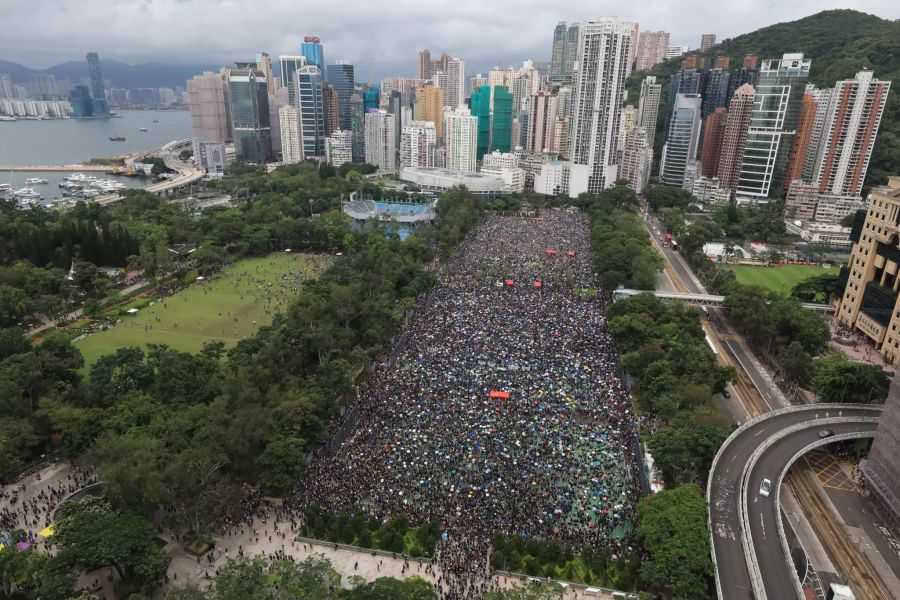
840	43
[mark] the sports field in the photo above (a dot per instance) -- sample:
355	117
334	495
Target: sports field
227	307
778	279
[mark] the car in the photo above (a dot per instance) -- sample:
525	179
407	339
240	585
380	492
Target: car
825	433
726	393
765	488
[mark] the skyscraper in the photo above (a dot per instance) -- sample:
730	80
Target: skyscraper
735	137
310	102
430	107
250	114
684	135
707	41
454	84
330	106
98	90
713	135
481	108
289	66
822	99
597	101
651	50
311	50
848	137
564	52
264	64
714	88
460	140
637	159
208	101
501	120
370	99
291	146
802	140
426	67
381	150
417	144
776	107
80	100
341	77
358	127
648	107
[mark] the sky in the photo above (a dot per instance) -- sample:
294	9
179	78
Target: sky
384	35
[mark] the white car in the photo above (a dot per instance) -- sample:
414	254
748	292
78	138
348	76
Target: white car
765	488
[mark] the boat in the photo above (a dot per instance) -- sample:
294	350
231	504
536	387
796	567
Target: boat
81	178
156	120
5	188
26	193
34	181
69	185
142	129
117	138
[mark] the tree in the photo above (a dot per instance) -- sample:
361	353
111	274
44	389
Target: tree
685	453
132	467
672	528
796	362
281	463
816	289
836	379
242	579
14	306
531	591
389	588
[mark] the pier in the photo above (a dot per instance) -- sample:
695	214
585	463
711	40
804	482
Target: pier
74	167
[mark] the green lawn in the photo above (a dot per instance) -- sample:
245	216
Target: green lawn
228	307
778	279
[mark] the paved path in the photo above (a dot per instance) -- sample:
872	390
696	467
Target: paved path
77	312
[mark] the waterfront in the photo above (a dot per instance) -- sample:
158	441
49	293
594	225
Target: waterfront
65	141
51	190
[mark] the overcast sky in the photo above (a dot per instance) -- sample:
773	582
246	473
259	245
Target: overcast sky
386	33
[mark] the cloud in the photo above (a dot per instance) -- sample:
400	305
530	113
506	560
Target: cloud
387	35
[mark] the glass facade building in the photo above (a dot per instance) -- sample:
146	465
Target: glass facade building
98	91
80	99
358	126
370	99
684	135
340	75
308	81
311	50
289	66
249	96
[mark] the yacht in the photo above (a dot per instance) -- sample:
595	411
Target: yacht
27	193
69	185
5	188
34	181
89	193
81	178
142	129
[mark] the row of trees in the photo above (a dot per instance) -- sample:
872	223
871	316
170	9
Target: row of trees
358	529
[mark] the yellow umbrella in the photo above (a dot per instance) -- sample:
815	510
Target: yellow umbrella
46	531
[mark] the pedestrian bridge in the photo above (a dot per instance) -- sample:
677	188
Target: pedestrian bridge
706	299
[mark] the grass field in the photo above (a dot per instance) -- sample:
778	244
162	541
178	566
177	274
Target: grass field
231	306
778	279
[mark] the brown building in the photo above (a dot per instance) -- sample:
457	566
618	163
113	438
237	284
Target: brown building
881	470
330	108
689	62
430	107
713	134
735	136
800	147
751	61
801	201
723	62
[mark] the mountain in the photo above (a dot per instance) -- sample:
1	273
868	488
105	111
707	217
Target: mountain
119	74
840	43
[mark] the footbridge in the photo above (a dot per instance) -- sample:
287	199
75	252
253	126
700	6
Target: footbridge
705	299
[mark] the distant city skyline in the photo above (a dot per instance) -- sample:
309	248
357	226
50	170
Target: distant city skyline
207	31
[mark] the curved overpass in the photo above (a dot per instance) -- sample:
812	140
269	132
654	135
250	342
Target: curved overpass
748	545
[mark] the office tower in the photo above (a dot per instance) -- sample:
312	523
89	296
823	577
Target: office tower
417	144
454	83
597	98
358	126
558	51
426	67
430	107
310	102
543	111
648	107
501	120
713	136
341	77
330	106
291	143
681	145
371	99
685	81
651	50
776	107
800	147
715	84
98	91
264	64
6	87
881	469
339	148
208	101
460	140
626	124
311	50
80	100
735	137
289	66
707	41
481	108
637	159
381	150
250	114
396	108
848	136
564	52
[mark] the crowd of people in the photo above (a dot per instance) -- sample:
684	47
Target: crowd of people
503	410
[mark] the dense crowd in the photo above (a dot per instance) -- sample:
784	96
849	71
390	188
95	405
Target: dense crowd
504	409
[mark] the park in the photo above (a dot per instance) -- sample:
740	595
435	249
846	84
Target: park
779	278
227	307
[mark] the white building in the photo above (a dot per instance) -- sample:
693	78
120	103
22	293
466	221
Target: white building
828	234
605	48
381	149
339	147
553	180
513	177
708	190
500	160
417	141
437	180
648	107
460	140
676	51
291	142
210	156
637	158
453	83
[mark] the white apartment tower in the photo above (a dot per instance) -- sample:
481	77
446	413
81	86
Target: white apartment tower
648	107
604	50
291	142
417	142
339	147
453	83
460	140
381	148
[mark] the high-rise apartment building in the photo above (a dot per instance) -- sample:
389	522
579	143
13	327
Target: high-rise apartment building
6	86
543	111
208	101
680	148
289	66
311	50
626	124
707	41
98	89
426	67
250	121
381	149
776	107
564	53
417	144
501	119
821	98
311	103
460	140
713	137
358	127
453	84
881	470
480	105
848	136
802	140
339	148
605	46
291	145
341	76
651	50
676	51
430	107
330	106
735	137
637	159
476	81
648	107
